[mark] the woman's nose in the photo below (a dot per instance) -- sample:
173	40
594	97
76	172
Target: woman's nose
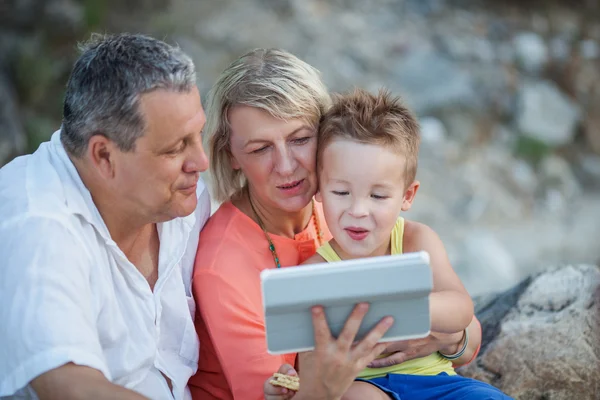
285	162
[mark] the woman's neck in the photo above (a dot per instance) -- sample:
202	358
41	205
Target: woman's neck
275	221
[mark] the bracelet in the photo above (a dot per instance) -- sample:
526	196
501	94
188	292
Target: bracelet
461	351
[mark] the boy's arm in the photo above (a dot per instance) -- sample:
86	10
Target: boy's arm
450	305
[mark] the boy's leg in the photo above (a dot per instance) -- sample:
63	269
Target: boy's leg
374	389
443	387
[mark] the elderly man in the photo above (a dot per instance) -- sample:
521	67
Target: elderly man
99	229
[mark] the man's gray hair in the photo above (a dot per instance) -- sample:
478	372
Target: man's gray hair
103	92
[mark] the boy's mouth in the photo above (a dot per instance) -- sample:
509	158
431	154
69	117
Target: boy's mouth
356	233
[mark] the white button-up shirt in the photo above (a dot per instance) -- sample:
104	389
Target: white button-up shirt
69	294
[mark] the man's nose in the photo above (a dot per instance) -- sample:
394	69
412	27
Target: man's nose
197	161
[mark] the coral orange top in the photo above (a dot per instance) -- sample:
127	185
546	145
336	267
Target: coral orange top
232	252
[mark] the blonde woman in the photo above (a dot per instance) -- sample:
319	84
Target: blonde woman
262	121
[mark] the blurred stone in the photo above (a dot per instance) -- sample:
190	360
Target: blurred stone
558	181
482	250
12	136
64	16
432	130
542	338
590	49
560	49
546	114
531	51
591	124
432	82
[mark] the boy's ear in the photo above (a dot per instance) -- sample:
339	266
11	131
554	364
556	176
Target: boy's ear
409	195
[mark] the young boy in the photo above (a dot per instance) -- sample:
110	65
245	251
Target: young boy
367	162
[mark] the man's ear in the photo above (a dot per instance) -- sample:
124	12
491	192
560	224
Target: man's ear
101	153
409	195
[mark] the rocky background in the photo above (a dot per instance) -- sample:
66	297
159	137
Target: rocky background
508	95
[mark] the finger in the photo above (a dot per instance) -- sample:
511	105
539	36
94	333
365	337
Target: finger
346	337
366	346
273	392
320	327
287	369
393	359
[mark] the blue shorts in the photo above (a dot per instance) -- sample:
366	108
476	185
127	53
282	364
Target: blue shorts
435	387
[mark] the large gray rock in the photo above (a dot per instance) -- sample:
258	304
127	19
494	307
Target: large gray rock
546	114
541	339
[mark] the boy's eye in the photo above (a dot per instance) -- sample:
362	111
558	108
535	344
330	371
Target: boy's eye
339	193
378	197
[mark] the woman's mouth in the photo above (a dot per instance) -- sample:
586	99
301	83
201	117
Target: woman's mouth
291	188
357	233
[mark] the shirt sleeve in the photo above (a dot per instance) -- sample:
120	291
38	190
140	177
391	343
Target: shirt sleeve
236	327
46	306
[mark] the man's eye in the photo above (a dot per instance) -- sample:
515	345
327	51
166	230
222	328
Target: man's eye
339	193
177	149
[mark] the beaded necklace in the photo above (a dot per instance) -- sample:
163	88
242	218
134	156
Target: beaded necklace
272	249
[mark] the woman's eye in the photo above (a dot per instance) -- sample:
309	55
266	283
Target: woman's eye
260	150
339	193
301	140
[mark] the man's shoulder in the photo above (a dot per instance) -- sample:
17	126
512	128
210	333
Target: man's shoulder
31	183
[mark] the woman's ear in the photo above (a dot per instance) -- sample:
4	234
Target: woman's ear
409	195
233	161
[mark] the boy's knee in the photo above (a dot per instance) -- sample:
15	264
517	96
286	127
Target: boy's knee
364	391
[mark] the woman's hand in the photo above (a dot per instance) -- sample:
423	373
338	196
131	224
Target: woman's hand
447	343
280	393
329	370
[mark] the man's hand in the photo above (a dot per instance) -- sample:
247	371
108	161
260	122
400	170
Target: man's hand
276	392
327	372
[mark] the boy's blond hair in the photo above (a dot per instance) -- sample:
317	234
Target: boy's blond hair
372	119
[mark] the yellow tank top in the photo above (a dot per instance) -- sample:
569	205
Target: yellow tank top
430	365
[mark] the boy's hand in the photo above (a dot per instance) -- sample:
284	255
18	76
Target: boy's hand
273	392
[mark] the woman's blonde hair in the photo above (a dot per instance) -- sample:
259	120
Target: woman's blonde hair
271	79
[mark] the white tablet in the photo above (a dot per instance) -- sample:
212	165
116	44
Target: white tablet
398	286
